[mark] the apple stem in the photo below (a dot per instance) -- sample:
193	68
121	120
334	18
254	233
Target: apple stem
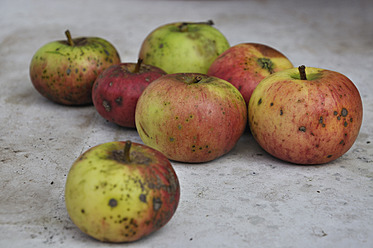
183	27
126	152
302	72
138	65
69	39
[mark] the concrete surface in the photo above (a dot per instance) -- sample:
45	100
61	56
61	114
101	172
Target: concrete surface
244	199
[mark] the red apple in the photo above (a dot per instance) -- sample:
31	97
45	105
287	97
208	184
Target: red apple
117	89
245	65
121	191
191	117
310	116
64	71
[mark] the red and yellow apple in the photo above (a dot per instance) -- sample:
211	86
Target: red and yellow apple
246	64
306	115
64	71
117	89
191	117
121	191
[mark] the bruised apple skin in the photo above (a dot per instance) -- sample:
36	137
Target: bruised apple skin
121	191
306	115
246	64
191	117
117	89
64	71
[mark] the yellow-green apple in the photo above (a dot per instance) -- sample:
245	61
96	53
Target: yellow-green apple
246	64
306	115
117	89
63	71
191	117
183	47
121	191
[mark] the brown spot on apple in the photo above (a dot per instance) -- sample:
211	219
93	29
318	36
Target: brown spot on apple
142	198
113	202
302	129
157	204
106	105
344	112
119	100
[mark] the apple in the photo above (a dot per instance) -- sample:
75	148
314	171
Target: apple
117	89
63	71
121	191
305	115
191	117
246	64
183	47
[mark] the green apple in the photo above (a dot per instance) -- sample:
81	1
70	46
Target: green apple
306	115
183	47
64	71
191	117
121	191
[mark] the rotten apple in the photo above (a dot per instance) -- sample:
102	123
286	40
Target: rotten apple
306	115
117	89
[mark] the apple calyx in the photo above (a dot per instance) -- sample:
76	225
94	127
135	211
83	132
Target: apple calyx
196	79
183	27
69	39
302	72
266	64
138	65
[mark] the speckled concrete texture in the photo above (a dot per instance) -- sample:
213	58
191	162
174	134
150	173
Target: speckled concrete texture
244	199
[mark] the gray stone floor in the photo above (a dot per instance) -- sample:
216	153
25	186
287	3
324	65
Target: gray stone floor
244	199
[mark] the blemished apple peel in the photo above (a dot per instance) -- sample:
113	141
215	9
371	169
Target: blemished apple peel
64	71
121	191
305	115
